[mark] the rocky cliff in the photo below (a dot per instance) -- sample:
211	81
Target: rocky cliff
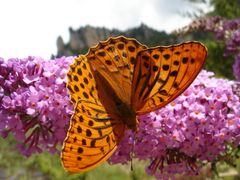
88	36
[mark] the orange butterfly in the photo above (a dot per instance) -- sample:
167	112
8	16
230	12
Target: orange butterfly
115	82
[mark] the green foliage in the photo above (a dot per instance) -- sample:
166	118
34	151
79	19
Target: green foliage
216	62
226	8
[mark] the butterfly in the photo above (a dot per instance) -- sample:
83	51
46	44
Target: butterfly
115	82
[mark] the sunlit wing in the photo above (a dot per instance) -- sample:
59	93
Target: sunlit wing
161	74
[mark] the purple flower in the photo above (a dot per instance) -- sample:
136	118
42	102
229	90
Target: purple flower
33	70
35	106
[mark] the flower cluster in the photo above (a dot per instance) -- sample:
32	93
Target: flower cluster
225	30
195	128
34	102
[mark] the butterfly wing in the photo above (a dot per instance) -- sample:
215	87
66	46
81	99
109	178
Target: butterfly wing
161	74
92	137
114	59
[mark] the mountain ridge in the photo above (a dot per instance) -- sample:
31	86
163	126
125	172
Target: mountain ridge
87	36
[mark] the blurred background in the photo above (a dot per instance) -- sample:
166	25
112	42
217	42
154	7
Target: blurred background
32	27
69	27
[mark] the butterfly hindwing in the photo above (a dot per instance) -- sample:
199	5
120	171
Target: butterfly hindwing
92	137
163	73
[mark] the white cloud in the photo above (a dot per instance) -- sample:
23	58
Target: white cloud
31	27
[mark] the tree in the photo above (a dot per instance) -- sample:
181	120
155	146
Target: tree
229	9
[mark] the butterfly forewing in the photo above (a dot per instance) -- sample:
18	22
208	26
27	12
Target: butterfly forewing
163	73
114	59
92	137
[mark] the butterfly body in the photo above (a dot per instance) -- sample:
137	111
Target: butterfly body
112	84
114	102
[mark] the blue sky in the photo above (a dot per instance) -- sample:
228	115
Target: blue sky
31	27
